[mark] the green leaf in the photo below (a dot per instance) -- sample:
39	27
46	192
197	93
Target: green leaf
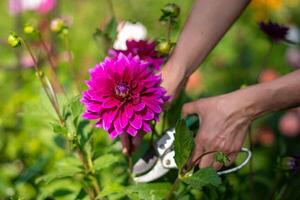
111	29
203	177
151	191
59	129
67	167
105	161
222	158
184	143
112	189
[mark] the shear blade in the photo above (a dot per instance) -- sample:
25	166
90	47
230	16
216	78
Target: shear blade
145	163
157	172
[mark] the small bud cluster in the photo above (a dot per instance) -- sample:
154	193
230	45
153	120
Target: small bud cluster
170	12
59	26
14	40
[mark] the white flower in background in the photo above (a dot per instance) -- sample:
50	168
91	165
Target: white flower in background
129	31
293	34
18	6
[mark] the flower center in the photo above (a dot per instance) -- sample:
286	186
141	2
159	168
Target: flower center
122	90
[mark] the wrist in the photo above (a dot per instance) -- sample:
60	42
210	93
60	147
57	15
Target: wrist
256	100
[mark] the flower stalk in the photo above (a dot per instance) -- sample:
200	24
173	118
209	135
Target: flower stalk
47	86
52	65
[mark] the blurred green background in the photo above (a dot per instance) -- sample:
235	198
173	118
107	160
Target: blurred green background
28	147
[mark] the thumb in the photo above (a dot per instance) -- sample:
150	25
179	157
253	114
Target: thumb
188	109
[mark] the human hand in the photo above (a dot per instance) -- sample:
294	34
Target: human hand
224	123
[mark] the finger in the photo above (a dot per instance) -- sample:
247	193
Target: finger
188	109
137	140
217	165
206	161
125	143
232	158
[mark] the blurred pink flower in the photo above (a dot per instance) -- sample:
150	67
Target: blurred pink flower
26	61
267	75
292	56
265	136
144	49
289	124
194	83
19	6
123	95
46	5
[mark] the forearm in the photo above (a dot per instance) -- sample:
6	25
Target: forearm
272	96
205	26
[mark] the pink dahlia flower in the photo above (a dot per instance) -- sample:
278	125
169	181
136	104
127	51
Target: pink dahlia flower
123	95
144	49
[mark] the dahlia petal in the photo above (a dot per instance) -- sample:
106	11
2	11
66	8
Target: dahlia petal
90	115
113	134
110	103
129	111
131	131
99	123
139	107
106	124
136	122
147	114
108	117
154	108
117	126
156	118
123	119
146	127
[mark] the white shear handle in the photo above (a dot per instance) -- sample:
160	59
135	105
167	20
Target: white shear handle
227	171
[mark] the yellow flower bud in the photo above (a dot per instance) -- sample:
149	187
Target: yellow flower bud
14	40
164	47
28	29
57	25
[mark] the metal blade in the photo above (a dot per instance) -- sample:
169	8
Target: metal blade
148	160
145	163
157	172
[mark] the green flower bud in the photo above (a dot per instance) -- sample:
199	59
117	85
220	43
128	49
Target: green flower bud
28	29
171	9
57	25
164	47
65	31
40	74
14	40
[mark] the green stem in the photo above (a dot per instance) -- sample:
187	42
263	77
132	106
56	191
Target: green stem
46	86
164	122
89	169
173	189
130	169
111	8
266	58
251	173
169	29
52	65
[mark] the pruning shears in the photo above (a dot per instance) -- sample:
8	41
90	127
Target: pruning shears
159	159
